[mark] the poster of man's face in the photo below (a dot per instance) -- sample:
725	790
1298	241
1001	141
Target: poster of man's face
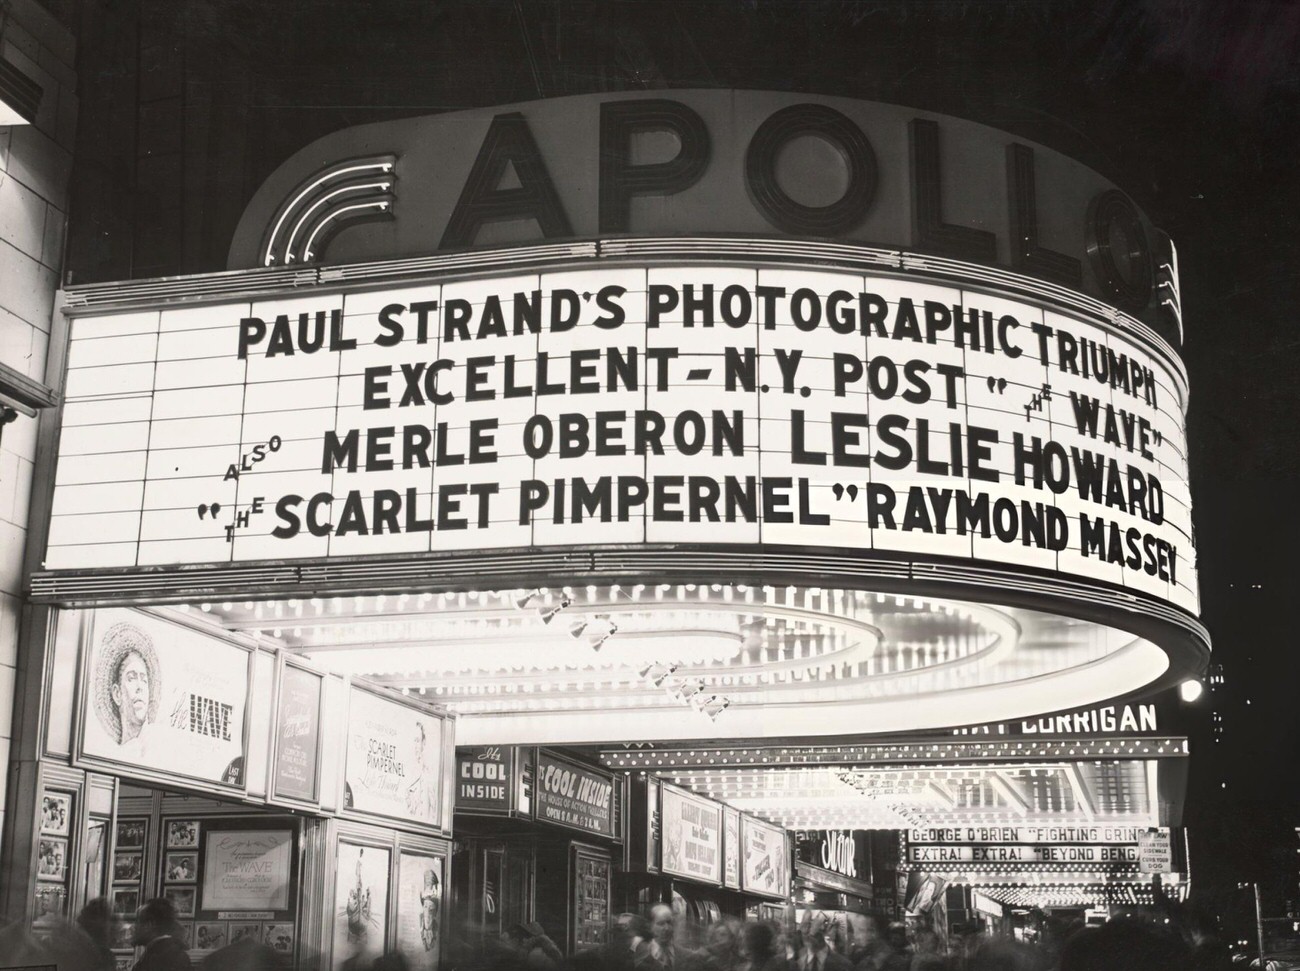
164	697
126	681
130	693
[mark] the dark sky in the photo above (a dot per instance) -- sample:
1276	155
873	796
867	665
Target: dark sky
1191	107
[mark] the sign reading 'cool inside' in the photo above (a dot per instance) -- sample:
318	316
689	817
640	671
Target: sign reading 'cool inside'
574	796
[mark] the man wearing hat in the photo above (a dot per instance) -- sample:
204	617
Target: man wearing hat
155	927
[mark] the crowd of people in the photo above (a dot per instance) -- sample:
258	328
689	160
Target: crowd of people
85	944
659	941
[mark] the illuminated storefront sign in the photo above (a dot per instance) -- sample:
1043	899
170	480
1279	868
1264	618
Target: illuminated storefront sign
627	405
484	776
1095	721
839	851
704	161
1106	720
692	836
575	796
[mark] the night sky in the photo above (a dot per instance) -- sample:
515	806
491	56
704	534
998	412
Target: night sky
1191	107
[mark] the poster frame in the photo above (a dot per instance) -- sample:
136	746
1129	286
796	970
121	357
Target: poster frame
689	796
82	714
446	745
396	842
730	815
284	660
746	821
408	845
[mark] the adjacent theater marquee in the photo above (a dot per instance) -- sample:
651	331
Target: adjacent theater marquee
1012	845
626	405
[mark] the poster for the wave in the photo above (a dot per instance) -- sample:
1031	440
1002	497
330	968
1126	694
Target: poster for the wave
394	759
165	699
692	841
766	865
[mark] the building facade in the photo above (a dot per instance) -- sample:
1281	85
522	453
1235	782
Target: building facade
563	507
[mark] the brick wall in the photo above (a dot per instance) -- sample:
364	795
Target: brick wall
35	163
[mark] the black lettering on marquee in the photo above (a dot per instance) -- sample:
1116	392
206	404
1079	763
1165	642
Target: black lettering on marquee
775	203
1118	251
1026	254
508	142
929	231
620	179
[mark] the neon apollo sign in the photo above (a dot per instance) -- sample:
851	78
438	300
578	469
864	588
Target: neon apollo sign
734	162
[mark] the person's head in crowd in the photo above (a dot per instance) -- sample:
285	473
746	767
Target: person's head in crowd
757	943
157	918
925	941
662	924
96	919
516	937
720	942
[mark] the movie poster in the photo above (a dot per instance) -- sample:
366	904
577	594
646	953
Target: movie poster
164	698
766	859
245	869
692	829
297	735
419	909
394	760
360	904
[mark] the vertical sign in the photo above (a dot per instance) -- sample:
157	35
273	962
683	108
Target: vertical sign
1155	851
653	828
297	734
731	848
483	778
692	836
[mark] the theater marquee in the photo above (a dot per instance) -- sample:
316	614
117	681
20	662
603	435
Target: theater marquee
627	405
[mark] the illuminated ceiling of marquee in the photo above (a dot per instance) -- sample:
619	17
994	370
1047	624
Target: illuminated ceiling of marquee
573	665
1059	793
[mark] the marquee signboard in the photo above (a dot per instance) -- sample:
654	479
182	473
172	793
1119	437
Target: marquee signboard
1012	845
627	405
